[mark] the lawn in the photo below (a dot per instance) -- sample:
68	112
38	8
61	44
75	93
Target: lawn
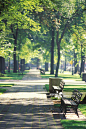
6	85
73	124
65	75
2	90
10	76
70	88
13	76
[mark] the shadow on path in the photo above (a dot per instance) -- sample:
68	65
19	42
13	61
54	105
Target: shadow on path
26	106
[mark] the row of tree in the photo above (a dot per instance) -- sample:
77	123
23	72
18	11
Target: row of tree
48	28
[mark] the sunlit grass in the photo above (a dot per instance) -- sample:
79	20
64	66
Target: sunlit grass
70	88
13	76
6	85
65	75
82	108
73	124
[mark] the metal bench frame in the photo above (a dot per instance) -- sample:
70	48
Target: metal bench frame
72	102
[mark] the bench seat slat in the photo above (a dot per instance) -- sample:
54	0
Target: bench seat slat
72	102
56	87
69	102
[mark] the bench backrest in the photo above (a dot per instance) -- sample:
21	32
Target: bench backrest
62	83
76	96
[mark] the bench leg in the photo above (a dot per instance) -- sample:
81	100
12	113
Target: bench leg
61	106
76	111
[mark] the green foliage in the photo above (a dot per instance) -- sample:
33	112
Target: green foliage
39	16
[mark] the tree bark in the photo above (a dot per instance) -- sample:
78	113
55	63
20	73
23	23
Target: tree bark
52	52
58	61
75	62
15	34
9	63
82	61
46	66
58	47
65	64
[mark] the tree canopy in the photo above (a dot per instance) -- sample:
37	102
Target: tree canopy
33	26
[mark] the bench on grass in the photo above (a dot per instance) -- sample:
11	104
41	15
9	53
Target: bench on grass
59	89
42	71
72	102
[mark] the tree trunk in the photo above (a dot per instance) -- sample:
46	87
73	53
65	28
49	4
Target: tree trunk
52	52
65	64
38	63
46	66
14	56
15	34
82	61
58	61
75	62
9	63
2	65
18	65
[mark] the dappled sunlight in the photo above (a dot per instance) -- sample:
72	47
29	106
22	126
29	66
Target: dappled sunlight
29	113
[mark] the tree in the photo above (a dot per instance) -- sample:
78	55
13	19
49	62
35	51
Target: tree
17	16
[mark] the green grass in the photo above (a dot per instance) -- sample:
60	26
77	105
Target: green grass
47	87
2	91
82	108
73	124
57	105
65	75
70	88
55	98
13	76
6	85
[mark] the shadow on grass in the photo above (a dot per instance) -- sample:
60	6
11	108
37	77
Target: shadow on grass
6	85
2	90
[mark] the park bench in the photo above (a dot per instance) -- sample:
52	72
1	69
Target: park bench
42	71
59	89
72	102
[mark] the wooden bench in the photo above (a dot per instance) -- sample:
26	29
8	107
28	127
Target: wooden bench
72	102
42	71
58	89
